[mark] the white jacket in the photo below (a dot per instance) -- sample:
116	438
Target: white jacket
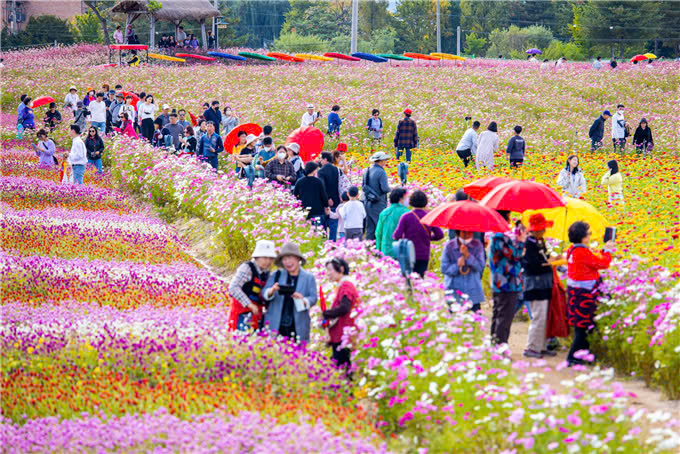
97	111
572	184
147	111
468	141
618	126
71	100
78	154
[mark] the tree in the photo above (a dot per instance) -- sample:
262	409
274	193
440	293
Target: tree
474	45
97	6
373	16
514	41
670	25
571	51
417	25
482	17
261	20
292	42
86	28
324	19
46	29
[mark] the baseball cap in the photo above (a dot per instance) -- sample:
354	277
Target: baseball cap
165	106
408	111
606	112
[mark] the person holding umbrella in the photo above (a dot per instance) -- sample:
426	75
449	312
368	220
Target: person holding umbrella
462	266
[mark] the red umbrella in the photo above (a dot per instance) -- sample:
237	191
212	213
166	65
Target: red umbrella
135	98
479	188
231	140
194	120
310	139
638	58
522	195
42	101
466	215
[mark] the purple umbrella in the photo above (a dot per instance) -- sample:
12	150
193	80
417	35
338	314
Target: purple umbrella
534	51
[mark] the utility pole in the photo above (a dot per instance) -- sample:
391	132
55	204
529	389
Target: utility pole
355	25
458	40
214	22
439	29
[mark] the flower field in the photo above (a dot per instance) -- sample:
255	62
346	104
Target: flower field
114	338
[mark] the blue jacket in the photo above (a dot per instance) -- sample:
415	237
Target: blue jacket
306	285
334	122
206	143
28	119
470	283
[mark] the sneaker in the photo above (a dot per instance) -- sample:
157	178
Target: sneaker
532	354
549	353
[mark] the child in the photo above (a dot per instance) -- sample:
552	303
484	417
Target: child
344	198
66	173
614	182
334	122
375	126
515	149
353	214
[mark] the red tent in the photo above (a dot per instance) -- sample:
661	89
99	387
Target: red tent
310	139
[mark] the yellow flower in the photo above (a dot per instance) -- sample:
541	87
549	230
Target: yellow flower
30	350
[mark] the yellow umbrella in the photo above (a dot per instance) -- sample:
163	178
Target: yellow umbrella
650	56
575	210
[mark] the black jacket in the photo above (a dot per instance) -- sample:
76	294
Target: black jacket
597	129
330	176
642	136
94	147
312	193
537	272
215	116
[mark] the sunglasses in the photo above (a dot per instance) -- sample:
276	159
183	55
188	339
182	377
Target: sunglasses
92	130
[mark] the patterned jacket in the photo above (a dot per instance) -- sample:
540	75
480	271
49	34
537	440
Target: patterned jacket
407	134
505	262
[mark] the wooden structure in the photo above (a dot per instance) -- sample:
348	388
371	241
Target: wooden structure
174	11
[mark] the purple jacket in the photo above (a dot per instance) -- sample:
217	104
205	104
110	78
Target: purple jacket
410	227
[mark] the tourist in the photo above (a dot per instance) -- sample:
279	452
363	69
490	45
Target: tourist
583	285
614	182
247	301
596	132
266	133
213	114
571	179
229	121
505	255
134	61
147	113
310	117
71	99
114	109
129	109
45	150
78	155
291	291
334	122
296	160
339	157
165	115
311	191
174	131
516	148
89	97
109	101
20	109
163	42
172	44
344	199
281	169
462	265
421	235
95	147
130	35
330	176
193	43
375	187
375	126
188	141
118	35
211	41
181	35
613	63
538	285
97	110
388	221
158	140
245	157
264	156
210	145
181	118
353	214
642	139
619	129
202	129
487	146
597	64
545	65
126	126
27	117
467	147
406	137
339	316
80	115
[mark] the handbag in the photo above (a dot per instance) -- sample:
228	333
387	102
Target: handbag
557	325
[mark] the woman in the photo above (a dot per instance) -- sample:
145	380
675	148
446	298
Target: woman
229	121
157	140
421	235
147	114
642	139
291	292
571	179
614	181
202	129
45	150
89	97
334	122
27	117
583	285
339	316
94	146
462	266
129	109
126	126
487	146
171	42
538	285
188	142
295	159
52	117
389	219
193	43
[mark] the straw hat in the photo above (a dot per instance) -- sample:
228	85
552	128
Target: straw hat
290	249
250	138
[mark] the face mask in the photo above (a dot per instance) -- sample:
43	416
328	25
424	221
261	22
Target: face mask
281	155
468	241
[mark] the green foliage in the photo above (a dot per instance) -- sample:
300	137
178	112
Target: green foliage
261	20
373	17
86	28
154	5
571	51
43	29
483	16
474	45
515	41
324	19
383	42
417	25
293	42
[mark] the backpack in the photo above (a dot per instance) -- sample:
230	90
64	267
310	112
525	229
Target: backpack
405	253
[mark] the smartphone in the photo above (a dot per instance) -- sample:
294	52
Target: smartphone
610	234
286	289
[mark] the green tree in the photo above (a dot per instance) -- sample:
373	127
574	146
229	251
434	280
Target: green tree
324	19
670	25
382	42
571	51
86	28
373	16
261	20
293	42
100	8
514	41
474	45
417	25
482	17
46	29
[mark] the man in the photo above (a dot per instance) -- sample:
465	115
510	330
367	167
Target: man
597	64
505	264
119	89
619	129
210	145
280	169
97	110
172	131
213	114
376	188
467	147
211	41
330	175
182	121
516	148
118	35
165	115
266	132
406	137
20	109
130	35
596	132
311	191
114	109
78	155
109	100
181	35
310	117
613	63
264	156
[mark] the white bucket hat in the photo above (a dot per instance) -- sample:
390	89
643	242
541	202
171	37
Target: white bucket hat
264	248
250	138
380	156
310	106
295	148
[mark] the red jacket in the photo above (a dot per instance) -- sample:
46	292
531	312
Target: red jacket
347	289
584	264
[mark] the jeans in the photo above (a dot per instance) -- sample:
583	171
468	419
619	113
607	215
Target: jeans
78	173
465	156
408	154
97	163
101	125
503	313
212	160
332	225
249	173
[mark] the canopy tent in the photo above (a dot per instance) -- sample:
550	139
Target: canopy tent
174	11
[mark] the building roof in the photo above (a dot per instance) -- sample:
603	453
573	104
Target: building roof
171	10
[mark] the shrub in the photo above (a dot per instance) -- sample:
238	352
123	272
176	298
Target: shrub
292	42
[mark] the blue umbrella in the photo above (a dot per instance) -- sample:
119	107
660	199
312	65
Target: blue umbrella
534	51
